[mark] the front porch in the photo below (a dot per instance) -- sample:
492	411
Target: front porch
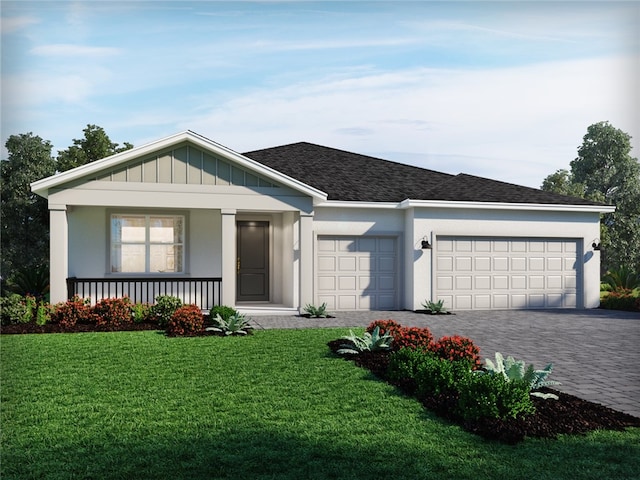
203	292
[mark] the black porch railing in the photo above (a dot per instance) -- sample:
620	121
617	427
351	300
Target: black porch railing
204	292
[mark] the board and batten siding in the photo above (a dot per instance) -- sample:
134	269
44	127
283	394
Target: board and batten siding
184	165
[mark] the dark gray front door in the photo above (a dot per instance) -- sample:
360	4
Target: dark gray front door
253	261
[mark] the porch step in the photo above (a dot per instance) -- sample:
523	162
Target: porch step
266	310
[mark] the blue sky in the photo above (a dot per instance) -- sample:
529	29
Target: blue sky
504	90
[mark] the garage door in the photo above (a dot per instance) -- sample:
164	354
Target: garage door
357	273
507	273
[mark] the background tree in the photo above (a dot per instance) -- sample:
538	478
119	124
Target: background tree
24	215
605	171
95	145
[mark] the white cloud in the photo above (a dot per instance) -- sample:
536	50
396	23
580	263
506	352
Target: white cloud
516	124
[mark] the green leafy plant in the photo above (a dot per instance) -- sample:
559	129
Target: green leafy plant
515	370
623	278
434	307
493	396
186	320
222	310
141	313
113	311
237	324
317	312
164	308
369	342
31	281
14	310
426	373
43	313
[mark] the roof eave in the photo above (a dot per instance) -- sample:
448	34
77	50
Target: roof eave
547	207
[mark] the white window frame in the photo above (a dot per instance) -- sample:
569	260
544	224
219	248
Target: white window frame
147	243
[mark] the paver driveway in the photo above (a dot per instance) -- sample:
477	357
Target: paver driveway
595	353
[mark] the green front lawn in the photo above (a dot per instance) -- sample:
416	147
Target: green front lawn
272	405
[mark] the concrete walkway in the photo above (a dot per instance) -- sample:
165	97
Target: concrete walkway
595	353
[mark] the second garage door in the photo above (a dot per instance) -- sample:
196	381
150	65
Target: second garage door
507	273
357	273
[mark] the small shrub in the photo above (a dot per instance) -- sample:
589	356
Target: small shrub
369	342
317	312
32	281
622	279
113	311
223	311
236	324
141	313
403	337
425	372
403	364
68	314
434	307
621	299
186	320
164	308
386	326
412	337
513	369
14	310
457	348
43	314
493	396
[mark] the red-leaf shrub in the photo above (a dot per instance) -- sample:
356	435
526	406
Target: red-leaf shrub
113	311
186	320
621	299
410	337
457	348
385	326
71	312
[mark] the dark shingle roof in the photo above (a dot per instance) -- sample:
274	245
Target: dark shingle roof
350	176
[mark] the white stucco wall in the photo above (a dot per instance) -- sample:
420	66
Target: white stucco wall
434	222
414	224
89	241
357	221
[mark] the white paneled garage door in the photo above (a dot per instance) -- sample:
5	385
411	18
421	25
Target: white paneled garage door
507	273
357	273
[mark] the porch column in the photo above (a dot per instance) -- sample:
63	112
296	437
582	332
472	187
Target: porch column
228	257
306	259
58	253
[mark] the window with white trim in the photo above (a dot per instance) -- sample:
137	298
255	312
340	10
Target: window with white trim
147	243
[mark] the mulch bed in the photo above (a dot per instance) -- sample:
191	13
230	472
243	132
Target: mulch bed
567	415
78	328
87	328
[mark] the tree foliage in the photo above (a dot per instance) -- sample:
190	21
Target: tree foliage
605	171
95	145
25	215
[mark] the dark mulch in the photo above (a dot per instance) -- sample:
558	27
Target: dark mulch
429	312
90	327
78	328
567	415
